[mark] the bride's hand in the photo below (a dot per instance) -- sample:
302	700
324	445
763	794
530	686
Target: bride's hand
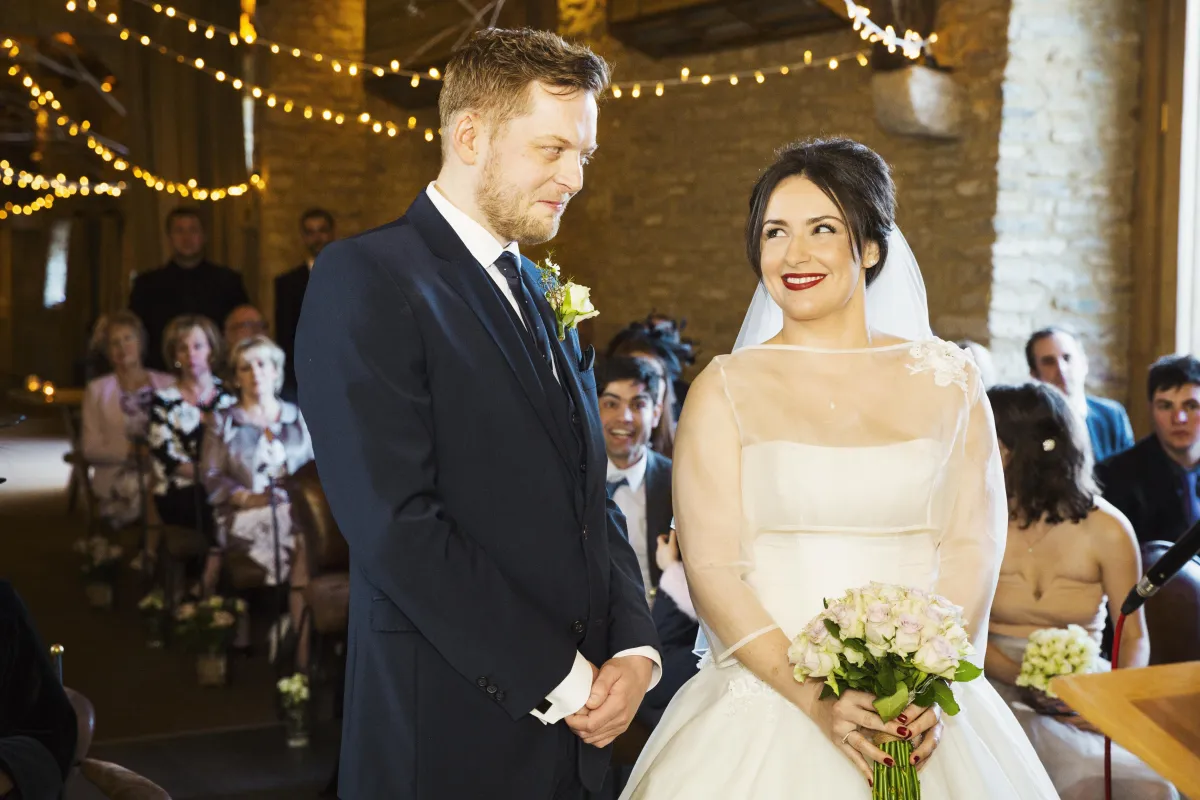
924	726
848	721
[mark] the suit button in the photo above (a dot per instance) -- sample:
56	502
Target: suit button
492	689
481	683
583	466
500	696
577	626
574	417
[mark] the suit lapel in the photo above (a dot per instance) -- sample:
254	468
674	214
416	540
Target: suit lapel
468	278
658	506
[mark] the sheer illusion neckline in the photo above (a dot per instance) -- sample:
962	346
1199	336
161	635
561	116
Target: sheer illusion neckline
808	349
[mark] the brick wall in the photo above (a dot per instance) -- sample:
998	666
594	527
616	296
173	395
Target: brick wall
1066	180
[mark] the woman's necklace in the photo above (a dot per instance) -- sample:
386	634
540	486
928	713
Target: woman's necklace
1026	538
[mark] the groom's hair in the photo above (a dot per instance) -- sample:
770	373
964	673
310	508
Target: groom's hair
492	73
852	175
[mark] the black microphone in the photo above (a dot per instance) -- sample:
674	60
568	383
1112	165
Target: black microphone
1163	570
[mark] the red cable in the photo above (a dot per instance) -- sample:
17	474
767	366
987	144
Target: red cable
1116	653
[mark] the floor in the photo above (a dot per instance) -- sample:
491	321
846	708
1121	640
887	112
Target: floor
151	716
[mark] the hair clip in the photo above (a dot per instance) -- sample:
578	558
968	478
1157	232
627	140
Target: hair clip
1048	445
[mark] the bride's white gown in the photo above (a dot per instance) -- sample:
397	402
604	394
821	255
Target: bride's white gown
801	473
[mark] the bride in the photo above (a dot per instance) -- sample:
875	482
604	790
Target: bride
839	443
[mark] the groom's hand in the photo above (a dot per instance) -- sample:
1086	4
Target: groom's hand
616	694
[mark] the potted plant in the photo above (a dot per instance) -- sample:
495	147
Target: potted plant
293	694
99	569
207	627
151	608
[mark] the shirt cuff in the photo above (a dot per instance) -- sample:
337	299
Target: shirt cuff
570	695
674	583
644	652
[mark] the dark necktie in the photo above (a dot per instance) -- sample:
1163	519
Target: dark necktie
1191	503
507	264
610	487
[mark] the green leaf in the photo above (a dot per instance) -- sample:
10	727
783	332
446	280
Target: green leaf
833	628
826	692
925	696
966	672
945	697
832	682
890	707
824	603
857	645
886	678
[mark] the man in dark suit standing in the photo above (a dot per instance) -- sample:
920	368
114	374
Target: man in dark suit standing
188	284
1155	482
1055	357
316	231
499	638
639	482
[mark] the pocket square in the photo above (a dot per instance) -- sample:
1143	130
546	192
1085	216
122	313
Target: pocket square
589	358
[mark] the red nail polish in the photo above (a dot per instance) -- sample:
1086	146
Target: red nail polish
902	718
889	762
870	783
916	759
903	731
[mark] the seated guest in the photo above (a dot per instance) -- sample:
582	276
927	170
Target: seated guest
37	723
244	322
1154	484
259	438
115	413
1069	553
639	482
983	359
1055	357
178	415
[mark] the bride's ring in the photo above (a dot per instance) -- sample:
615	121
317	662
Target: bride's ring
847	736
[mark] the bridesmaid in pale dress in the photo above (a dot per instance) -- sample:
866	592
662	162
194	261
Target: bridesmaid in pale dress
1069	553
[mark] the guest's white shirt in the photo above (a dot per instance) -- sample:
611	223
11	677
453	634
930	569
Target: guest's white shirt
570	695
631	499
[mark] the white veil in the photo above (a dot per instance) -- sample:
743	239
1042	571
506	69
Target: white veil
896	301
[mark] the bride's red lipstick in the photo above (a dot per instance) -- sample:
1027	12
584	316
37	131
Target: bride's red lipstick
799	281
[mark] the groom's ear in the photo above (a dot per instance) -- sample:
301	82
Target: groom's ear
466	137
870	255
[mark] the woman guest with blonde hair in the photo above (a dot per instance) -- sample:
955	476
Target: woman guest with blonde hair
1069	555
115	416
178	417
258	439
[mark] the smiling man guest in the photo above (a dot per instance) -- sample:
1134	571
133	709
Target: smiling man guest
499	633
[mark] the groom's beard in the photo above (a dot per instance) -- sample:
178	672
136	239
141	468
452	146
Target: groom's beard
509	212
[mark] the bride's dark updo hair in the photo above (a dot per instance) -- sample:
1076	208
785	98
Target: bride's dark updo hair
850	174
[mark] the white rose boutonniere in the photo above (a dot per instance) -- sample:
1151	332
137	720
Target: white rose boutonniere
572	303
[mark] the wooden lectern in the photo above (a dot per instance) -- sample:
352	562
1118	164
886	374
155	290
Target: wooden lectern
1153	712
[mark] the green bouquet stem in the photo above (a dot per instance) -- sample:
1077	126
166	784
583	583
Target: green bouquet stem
899	782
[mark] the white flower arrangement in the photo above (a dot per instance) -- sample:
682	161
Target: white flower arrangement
1051	652
293	690
571	302
901	644
100	558
152	603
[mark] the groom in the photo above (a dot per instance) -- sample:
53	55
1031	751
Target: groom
499	634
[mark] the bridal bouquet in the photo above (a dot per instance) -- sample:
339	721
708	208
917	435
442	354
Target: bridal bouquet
1051	652
902	645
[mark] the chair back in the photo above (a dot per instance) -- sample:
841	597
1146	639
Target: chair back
1173	614
326	547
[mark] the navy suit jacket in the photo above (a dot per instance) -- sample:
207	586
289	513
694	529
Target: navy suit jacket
1108	428
484	552
1144	484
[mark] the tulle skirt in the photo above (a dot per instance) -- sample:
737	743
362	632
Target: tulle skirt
727	734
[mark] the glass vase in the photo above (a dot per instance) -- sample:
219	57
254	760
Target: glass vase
295	720
212	669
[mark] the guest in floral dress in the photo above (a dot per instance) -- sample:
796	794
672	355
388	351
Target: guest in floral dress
178	417
259	438
115	417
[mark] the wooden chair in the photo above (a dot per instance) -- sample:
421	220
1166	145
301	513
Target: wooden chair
1173	614
113	781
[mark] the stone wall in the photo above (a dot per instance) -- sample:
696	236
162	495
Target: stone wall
1066	182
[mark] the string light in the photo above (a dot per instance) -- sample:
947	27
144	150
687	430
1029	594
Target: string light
62	187
190	188
260	93
235	37
28	209
759	76
912	44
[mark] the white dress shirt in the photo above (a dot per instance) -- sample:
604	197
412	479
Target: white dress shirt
631	499
570	695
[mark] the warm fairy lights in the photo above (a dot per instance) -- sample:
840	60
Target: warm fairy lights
184	188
